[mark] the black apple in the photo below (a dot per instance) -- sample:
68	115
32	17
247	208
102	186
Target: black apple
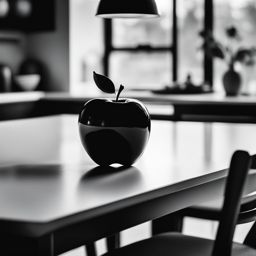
114	130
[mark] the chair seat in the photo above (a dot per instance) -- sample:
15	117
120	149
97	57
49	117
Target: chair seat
176	244
207	210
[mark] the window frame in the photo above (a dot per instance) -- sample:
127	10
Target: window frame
207	64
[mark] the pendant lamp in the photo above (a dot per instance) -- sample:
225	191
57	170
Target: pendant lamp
127	9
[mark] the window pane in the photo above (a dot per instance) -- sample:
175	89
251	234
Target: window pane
141	70
156	31
86	43
190	23
241	14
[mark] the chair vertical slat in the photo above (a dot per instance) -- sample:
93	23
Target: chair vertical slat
91	249
238	170
250	239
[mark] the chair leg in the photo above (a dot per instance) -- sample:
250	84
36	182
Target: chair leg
113	242
170	223
250	238
90	249
17	245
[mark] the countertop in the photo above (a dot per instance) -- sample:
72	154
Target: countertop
212	107
145	96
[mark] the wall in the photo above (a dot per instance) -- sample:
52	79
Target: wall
52	48
12	52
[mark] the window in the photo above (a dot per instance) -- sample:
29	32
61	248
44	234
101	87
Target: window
141	70
190	23
86	42
141	54
155	32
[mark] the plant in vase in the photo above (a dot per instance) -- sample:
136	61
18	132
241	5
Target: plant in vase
232	54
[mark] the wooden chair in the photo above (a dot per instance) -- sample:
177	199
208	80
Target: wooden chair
181	245
208	211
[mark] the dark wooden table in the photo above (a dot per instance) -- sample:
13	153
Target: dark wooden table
53	198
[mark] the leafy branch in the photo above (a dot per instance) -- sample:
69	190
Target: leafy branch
229	53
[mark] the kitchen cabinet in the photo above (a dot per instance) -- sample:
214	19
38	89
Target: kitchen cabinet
27	15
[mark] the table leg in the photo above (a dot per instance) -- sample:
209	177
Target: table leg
45	246
113	242
172	222
91	249
17	245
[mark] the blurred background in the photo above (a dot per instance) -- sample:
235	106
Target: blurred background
152	69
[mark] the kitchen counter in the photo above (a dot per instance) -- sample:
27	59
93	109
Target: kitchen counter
204	107
212	107
148	97
15	97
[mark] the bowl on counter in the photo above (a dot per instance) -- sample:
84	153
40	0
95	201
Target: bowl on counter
28	82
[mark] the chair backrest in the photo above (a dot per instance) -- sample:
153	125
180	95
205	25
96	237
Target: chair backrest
238	170
247	209
250	238
248	212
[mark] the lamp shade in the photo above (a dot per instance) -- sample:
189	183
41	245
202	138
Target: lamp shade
127	9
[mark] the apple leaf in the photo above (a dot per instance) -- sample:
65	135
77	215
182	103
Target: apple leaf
104	83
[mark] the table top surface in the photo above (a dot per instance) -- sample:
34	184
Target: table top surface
45	174
45	168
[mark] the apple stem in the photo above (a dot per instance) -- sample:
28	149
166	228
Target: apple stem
119	91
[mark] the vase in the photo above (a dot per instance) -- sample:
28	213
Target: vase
232	82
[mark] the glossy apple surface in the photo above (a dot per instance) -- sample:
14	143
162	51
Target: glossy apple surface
114	131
